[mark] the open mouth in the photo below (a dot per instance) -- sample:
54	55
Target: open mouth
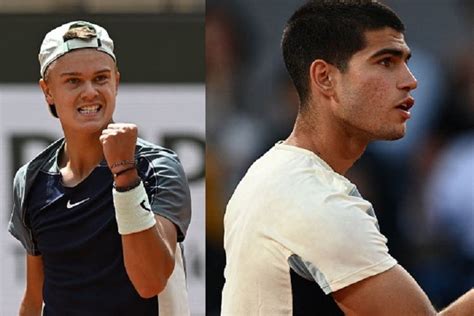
404	107
89	109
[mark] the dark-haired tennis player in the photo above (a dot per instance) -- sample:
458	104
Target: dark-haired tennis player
299	238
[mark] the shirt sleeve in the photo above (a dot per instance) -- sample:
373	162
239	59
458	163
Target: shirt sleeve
18	222
167	188
336	239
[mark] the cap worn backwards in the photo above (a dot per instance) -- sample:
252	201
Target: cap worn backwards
71	36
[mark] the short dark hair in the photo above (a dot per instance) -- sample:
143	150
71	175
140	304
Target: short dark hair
331	30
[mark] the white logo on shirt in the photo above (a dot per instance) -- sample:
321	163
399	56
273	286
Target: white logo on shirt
70	205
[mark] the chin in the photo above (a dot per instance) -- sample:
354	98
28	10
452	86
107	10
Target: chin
394	135
89	127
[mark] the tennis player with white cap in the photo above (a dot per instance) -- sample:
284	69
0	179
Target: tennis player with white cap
100	212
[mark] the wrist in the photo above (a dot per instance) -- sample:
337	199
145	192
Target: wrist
122	166
132	210
126	180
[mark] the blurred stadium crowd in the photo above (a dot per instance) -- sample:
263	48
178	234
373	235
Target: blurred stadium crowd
422	187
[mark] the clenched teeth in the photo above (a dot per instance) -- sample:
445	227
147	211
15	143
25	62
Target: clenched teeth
89	109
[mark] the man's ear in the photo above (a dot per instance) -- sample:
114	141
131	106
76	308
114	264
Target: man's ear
46	91
49	98
320	74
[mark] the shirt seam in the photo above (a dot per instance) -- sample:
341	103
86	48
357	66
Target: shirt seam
347	276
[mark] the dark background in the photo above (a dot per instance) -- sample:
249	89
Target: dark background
170	50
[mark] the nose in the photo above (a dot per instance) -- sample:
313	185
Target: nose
89	91
409	81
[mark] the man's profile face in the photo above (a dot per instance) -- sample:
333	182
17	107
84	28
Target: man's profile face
83	86
375	85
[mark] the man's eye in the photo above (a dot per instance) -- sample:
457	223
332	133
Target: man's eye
101	78
386	62
72	80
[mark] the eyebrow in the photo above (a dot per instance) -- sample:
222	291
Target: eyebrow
391	51
74	73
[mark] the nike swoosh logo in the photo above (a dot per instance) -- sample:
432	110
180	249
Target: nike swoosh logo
142	204
70	205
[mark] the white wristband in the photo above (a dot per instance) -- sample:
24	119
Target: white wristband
133	211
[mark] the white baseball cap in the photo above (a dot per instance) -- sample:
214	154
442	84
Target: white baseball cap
55	45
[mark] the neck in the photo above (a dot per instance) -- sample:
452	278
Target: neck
328	139
81	155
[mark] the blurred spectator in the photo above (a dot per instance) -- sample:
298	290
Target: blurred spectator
231	132
235	132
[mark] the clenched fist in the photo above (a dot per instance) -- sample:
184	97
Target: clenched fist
118	142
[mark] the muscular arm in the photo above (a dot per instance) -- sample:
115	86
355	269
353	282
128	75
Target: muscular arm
149	257
32	302
149	254
394	292
464	306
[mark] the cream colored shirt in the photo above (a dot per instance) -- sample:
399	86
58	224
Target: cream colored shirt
292	207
